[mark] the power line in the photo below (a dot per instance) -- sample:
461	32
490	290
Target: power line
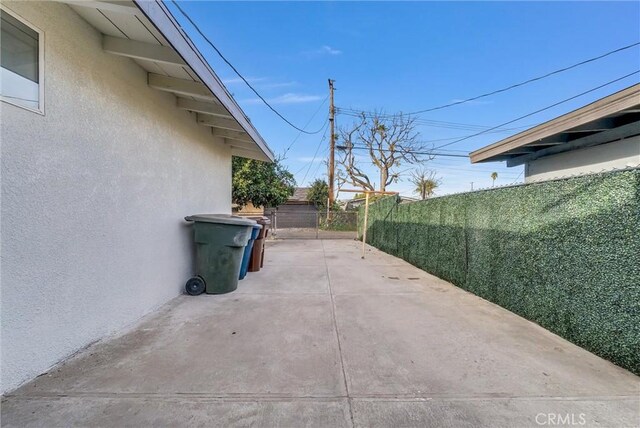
313	159
479	172
466	151
359	113
460	163
188	18
322	139
540	110
438	166
519	175
307	124
411	152
434	123
494	129
450	150
472	172
315	172
506	174
309	163
523	83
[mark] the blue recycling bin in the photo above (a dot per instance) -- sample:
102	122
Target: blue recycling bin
247	250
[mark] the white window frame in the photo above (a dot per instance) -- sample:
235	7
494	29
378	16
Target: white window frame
40	109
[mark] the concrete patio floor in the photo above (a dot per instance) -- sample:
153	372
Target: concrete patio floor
323	338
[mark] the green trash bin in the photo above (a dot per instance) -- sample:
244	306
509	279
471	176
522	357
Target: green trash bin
220	240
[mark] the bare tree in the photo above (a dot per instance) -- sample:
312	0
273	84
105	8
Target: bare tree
426	182
389	142
341	180
339	177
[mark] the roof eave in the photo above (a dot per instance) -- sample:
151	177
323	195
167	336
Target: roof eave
610	105
158	14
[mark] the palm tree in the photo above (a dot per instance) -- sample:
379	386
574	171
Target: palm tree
426	182
494	176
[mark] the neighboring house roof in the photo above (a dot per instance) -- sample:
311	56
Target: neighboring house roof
608	119
147	32
405	199
300	195
354	203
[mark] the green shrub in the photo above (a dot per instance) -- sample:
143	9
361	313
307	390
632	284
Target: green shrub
564	254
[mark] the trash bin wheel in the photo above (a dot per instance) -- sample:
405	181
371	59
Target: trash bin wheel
195	285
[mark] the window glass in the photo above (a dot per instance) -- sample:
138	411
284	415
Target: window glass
19	62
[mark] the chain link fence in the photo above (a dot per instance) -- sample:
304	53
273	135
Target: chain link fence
314	225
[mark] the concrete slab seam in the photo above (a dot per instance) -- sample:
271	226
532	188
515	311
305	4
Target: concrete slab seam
250	397
335	325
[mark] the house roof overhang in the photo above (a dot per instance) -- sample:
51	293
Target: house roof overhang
147	32
609	119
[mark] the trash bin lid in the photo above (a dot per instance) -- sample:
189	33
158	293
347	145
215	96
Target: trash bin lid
262	220
221	218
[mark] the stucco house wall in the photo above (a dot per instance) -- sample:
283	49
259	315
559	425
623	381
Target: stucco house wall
615	155
93	198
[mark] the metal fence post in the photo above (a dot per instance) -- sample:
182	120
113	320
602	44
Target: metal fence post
274	222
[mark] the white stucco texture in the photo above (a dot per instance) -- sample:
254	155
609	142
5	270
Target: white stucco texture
94	194
615	155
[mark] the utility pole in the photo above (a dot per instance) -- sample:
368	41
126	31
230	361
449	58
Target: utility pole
332	145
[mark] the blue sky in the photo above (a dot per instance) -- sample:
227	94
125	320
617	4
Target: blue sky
410	56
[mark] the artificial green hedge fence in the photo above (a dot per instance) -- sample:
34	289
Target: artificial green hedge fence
564	253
